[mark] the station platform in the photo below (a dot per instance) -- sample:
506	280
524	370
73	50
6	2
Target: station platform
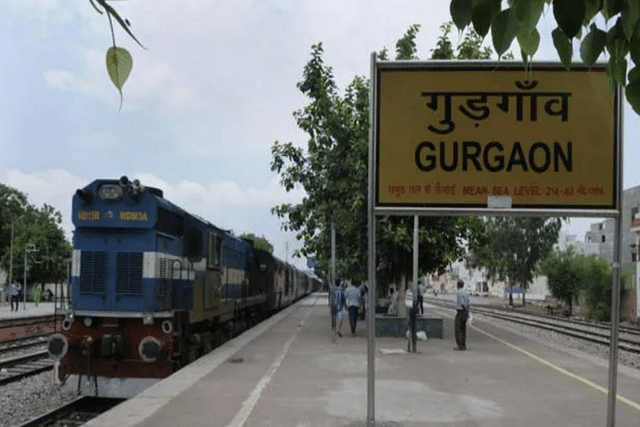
287	372
28	309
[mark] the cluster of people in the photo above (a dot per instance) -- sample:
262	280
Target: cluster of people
16	295
349	297
354	300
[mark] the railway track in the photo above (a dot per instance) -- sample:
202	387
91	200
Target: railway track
628	341
599	325
15	329
18	367
23	344
75	413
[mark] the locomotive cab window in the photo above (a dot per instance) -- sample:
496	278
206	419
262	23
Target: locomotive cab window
215	243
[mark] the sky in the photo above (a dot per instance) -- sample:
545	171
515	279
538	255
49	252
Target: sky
206	100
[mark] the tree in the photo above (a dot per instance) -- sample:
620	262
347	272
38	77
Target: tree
12	204
564	276
570	273
512	248
596	281
39	227
258	242
333	172
520	20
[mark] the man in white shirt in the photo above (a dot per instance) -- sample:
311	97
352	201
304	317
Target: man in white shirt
462	307
352	295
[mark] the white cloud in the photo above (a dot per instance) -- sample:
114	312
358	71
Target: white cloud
224	203
62	80
53	187
225	193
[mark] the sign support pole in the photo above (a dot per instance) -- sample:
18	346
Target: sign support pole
616	276
332	280
371	220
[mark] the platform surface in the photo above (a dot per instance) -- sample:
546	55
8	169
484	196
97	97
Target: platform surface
287	372
27	310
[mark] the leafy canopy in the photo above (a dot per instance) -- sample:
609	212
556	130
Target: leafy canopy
32	226
258	242
333	172
511	247
519	20
569	273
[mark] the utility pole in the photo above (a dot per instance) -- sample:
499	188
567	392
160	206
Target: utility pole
332	279
11	255
30	247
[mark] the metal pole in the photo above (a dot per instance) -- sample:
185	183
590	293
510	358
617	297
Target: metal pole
371	222
332	280
24	282
414	288
615	285
67	301
637	281
11	257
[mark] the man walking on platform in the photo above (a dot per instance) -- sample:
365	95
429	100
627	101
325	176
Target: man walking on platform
14	294
352	295
420	298
462	307
338	303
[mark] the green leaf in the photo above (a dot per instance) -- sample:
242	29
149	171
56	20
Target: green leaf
592	45
529	40
611	79
635	45
112	12
592	7
461	13
569	15
528	12
563	46
611	8
482	15
525	58
634	74
618	69
633	91
503	30
119	64
630	17
617	44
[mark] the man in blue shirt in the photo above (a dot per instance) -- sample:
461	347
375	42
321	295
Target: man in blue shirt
462	307
14	294
338	303
352	296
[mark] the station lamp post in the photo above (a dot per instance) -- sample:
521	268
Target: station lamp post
28	249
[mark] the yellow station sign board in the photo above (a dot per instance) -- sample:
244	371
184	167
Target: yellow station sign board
452	136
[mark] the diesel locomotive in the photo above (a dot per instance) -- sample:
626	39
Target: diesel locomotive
153	287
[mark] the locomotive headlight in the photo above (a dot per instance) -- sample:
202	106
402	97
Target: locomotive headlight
149	349
110	192
57	346
67	322
88	321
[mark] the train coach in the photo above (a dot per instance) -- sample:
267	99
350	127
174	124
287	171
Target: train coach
153	287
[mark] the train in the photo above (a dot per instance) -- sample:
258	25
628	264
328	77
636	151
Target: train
153	287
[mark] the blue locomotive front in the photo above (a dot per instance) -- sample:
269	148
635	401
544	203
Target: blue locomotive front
152	287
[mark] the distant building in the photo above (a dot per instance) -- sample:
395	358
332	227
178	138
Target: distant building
602	234
584	247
